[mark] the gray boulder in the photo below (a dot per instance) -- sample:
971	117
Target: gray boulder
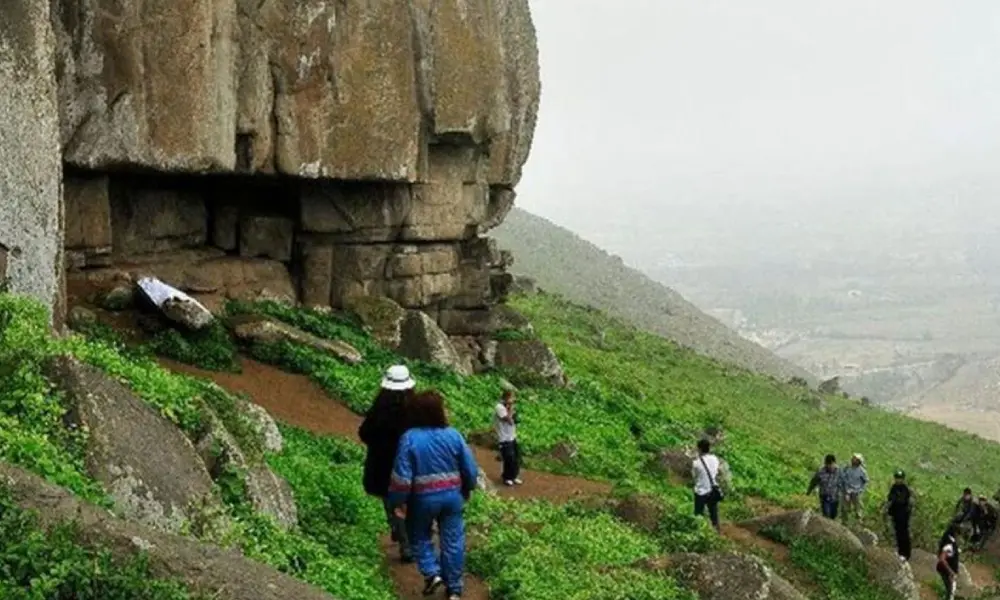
725	576
187	313
809	524
531	355
422	339
381	315
208	570
267	492
149	467
267	331
888	571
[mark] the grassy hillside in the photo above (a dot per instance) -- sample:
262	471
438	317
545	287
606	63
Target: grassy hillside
634	394
573	267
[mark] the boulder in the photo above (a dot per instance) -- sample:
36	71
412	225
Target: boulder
484	484
119	298
867	537
564	452
422	339
270	435
149	467
806	523
887	571
80	317
674	462
644	512
205	569
267	331
383	316
725	576
187	312
267	492
532	356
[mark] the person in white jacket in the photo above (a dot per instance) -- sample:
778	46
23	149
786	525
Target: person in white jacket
707	493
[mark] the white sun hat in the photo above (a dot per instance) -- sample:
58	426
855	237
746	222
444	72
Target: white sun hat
397	378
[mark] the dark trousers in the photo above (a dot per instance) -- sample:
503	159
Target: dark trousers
706	501
949	583
511	456
901	525
399	529
829	507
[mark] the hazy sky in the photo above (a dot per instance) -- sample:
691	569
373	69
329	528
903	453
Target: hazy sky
705	115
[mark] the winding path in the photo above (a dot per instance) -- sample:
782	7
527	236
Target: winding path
298	401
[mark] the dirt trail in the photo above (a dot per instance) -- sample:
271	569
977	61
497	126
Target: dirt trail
297	401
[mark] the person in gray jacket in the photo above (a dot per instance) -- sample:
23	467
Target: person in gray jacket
828	480
854	481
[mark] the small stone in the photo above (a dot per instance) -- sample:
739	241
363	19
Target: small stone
118	299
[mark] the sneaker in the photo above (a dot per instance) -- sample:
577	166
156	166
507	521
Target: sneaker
508	482
454	596
519	481
431	584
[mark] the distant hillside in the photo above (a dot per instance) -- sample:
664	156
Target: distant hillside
563	262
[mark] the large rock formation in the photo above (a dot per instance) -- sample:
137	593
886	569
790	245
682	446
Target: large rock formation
391	135
31	221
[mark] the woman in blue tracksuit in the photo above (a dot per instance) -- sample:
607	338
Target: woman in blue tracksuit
433	476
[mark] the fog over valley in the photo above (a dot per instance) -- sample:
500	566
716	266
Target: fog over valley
819	177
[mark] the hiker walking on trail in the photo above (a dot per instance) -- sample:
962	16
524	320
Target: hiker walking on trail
505	421
964	508
827	479
707	493
948	560
434	475
984	523
383	425
899	507
855	482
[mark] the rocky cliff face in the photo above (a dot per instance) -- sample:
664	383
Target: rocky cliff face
30	218
308	149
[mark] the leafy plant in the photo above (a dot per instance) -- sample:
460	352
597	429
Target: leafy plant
211	348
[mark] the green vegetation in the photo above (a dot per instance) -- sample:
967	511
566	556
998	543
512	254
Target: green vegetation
211	348
37	563
633	395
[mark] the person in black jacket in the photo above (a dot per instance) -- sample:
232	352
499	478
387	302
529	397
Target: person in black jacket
948	560
384	423
899	506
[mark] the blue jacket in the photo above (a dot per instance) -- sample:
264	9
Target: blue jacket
432	461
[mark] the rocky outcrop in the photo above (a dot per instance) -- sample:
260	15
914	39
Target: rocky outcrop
266	491
532	356
150	469
725	576
206	569
806	523
644	512
422	339
31	216
400	130
381	316
267	331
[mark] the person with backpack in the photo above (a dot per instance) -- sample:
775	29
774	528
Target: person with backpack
707	493
899	507
505	422
383	425
433	477
854	483
948	560
827	479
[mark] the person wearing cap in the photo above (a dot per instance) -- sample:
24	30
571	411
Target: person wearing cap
964	508
854	481
899	507
383	425
828	480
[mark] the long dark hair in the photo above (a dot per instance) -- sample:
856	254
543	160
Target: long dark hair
390	410
950	535
426	409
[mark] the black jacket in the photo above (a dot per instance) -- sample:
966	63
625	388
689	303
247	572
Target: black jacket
384	424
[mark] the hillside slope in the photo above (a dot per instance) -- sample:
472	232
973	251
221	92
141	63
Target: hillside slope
567	264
